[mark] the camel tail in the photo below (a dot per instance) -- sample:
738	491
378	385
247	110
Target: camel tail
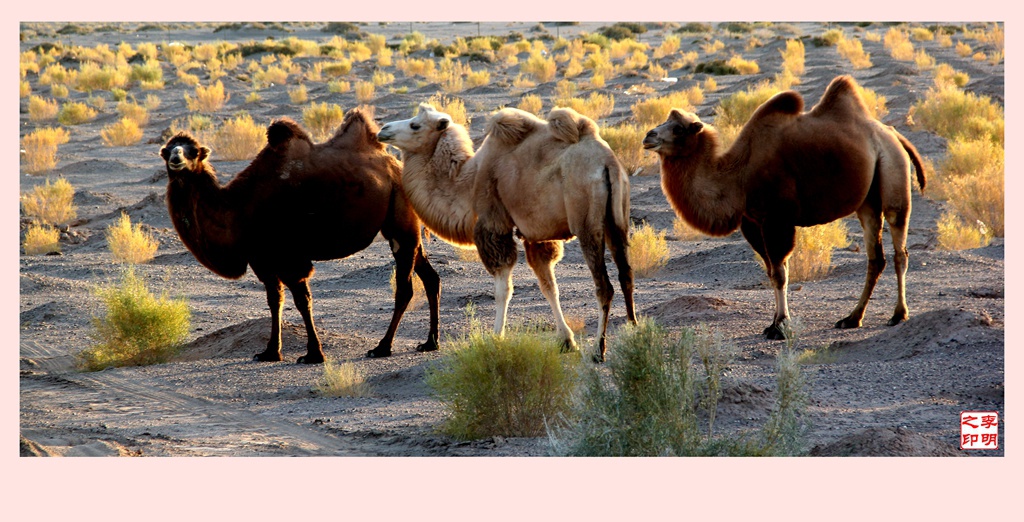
616	209
915	158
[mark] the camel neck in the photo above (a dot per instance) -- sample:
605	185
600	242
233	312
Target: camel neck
704	190
440	188
203	216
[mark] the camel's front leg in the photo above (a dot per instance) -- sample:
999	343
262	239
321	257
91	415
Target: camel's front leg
275	300
498	253
777	241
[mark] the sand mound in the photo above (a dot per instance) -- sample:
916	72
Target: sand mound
887	442
247	338
688	309
928	332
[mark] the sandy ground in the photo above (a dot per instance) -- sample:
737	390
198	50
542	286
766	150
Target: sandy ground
888	391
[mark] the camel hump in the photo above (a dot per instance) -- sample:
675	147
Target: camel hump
358	127
511	126
570	126
283	130
788	103
842	95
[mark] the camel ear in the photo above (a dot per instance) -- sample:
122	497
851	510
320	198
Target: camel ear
695	127
204	152
442	124
164	153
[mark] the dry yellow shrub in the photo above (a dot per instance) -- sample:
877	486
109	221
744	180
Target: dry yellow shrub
129	243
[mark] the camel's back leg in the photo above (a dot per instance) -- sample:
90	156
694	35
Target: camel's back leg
617	240
275	300
871	221
592	244
542	257
898	223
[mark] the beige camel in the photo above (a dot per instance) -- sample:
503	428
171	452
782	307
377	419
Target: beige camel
545	181
791	168
299	202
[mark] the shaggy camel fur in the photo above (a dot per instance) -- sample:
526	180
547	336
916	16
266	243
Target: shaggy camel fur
545	181
790	168
299	202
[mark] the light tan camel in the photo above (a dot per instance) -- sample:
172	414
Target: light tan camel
298	202
791	168
545	181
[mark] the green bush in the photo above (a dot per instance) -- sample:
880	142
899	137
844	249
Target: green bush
513	386
137	328
656	392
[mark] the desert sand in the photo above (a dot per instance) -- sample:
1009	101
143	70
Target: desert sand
893	391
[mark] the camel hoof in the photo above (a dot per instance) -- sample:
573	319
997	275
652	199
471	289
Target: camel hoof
846	322
597	358
311	359
896	319
568	347
774	333
378	352
267	357
429	346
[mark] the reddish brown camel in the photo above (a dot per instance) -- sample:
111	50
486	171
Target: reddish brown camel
790	168
299	202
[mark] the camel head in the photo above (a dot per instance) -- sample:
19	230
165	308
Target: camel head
419	133
183	153
676	136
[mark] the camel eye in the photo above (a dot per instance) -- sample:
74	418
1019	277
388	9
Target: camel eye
414	126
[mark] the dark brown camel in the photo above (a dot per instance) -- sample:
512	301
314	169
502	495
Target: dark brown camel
299	202
790	168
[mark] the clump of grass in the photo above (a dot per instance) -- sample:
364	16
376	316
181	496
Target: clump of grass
596	106
530	103
953	113
238	139
648	249
342	380
41	239
626	141
75	113
828	38
874	102
898	44
451	106
123	133
129	243
742	65
364	92
653	111
540	68
322	119
298	94
979	198
207	99
955	233
41	109
650	405
924	61
137	328
39	148
946	75
812	256
512	386
964	49
793	57
853	50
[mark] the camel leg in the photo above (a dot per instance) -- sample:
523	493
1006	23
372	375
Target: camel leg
542	256
752	232
871	221
618	243
304	303
275	300
404	257
898	230
432	286
593	253
778	242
